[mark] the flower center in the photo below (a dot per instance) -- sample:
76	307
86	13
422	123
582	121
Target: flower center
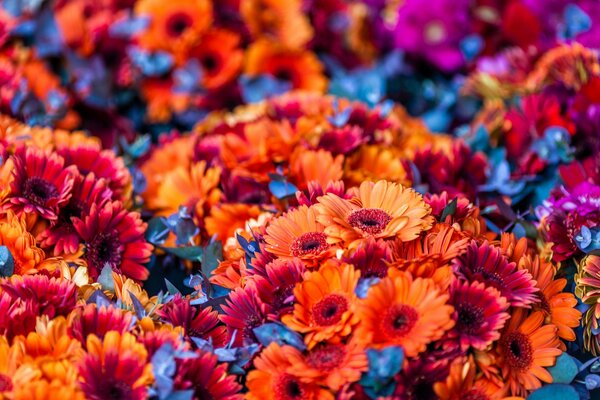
105	248
178	23
326	357
470	318
283	74
434	32
329	310
369	220
209	62
287	388
253	321
38	191
119	390
309	243
518	350
398	320
5	383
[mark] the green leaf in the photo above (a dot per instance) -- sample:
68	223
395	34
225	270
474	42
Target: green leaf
171	288
7	262
106	279
157	230
555	391
565	369
450	209
192	253
212	255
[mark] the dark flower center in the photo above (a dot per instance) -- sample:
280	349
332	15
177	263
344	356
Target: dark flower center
38	191
326	357
288	388
518	351
329	310
470	318
398	320
252	321
209	62
104	248
119	390
309	243
283	74
178	23
5	383
369	220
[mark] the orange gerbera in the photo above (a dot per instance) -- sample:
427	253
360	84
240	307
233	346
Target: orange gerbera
175	25
526	347
299	67
320	166
13	373
270	379
381	210
226	218
331	364
282	19
325	304
298	234
45	390
191	187
221	57
558	307
374	162
400	310
21	244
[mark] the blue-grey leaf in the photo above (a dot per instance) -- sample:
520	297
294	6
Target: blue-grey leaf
565	369
7	262
281	334
555	391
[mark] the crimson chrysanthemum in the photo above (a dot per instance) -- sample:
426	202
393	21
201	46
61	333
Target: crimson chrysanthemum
92	319
485	263
480	313
41	184
114	236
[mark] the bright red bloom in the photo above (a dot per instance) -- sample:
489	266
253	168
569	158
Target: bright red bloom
485	263
17	316
114	236
243	312
196	322
371	258
91	319
41	183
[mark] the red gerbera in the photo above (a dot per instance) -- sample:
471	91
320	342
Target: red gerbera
17	316
486	264
114	236
244	311
41	183
207	378
91	319
196	322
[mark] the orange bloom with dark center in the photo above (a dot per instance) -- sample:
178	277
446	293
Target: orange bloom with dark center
331	364
20	243
526	347
298	234
220	56
299	67
226	218
400	310
270	379
325	304
175	25
379	210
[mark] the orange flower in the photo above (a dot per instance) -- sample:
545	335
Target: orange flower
526	347
299	67
175	25
45	390
21	244
320	166
374	162
380	210
284	20
330	364
325	304
221	57
270	379
298	234
400	310
225	219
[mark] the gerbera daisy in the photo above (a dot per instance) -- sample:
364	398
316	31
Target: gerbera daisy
206	377
41	184
298	234
14	373
196	322
220	56
485	263
588	290
270	380
61	236
21	244
371	258
17	316
242	312
320	166
46	390
331	364
380	210
480	313
93	320
104	164
114	236
115	368
155	339
374	162
225	219
526	347
400	310
301	68
325	304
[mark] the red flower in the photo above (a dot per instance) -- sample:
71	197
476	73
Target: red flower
244	311
91	319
